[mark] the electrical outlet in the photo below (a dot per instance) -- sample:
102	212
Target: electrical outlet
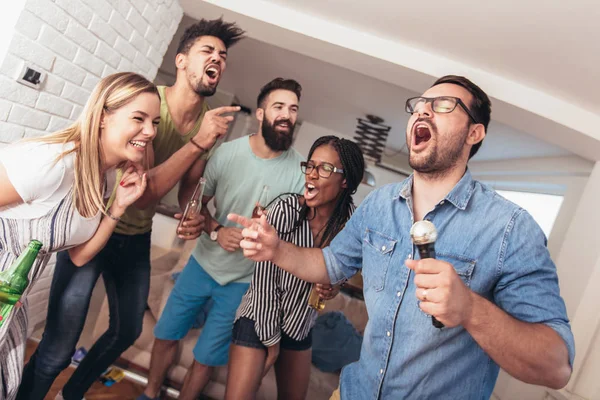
31	77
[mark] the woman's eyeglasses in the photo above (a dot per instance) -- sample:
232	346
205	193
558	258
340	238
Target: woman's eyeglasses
324	169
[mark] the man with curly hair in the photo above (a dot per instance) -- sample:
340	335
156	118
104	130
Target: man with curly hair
185	135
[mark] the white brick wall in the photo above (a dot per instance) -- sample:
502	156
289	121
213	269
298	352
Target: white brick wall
28	117
54	105
76	43
4	109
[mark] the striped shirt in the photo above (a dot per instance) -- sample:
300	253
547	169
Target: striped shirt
276	300
53	230
58	227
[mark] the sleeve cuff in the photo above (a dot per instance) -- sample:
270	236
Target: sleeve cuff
335	273
272	340
565	333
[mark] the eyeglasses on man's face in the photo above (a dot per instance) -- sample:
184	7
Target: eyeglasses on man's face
324	169
440	105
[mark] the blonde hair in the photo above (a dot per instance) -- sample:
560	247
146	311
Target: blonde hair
110	94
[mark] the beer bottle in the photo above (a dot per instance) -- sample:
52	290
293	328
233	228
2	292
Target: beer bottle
263	200
314	300
194	205
15	280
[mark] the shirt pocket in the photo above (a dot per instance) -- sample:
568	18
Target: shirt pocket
378	250
464	266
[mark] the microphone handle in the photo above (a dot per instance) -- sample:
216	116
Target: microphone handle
428	251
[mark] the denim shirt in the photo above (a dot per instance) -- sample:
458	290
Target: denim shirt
496	248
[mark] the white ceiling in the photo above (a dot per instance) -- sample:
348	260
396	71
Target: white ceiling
551	45
370	38
334	97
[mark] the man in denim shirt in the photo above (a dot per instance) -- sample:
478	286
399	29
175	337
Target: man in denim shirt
493	284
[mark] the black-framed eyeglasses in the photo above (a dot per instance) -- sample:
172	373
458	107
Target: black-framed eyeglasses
442	105
324	169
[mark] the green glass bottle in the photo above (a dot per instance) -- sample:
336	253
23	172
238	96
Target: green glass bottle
15	280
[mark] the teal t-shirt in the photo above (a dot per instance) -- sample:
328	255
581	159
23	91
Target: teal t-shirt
235	176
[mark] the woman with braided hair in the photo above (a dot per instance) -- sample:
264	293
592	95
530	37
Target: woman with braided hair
274	321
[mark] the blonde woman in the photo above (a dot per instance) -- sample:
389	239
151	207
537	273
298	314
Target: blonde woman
54	189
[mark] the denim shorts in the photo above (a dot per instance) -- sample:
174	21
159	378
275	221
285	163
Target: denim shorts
245	335
192	290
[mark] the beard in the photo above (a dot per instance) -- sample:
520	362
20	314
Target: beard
205	90
277	141
438	163
201	88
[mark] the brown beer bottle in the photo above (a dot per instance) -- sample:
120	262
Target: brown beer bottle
314	300
262	202
194	205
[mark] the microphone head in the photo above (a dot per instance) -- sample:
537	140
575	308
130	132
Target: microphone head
423	232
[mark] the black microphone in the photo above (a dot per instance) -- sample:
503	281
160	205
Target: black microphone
424	235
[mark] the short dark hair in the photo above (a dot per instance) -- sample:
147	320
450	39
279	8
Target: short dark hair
228	32
277	84
480	107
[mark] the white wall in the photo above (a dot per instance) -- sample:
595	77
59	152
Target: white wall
76	42
11	12
566	176
575	247
581	248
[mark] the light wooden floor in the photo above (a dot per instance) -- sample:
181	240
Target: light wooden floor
124	390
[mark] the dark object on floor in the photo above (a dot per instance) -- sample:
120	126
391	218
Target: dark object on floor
336	342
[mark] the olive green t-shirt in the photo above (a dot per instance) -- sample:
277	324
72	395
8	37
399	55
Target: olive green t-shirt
167	141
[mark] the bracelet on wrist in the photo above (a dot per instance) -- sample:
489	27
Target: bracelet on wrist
202	149
109	215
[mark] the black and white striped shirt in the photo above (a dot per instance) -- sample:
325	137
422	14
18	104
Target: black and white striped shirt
276	300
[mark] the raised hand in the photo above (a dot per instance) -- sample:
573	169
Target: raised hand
132	186
214	125
260	240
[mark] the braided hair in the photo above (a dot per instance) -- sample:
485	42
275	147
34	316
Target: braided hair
353	164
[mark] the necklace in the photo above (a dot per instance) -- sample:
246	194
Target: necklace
317	237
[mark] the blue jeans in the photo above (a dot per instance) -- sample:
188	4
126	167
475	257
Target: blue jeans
124	264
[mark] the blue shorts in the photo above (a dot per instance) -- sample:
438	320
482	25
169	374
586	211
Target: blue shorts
192	290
